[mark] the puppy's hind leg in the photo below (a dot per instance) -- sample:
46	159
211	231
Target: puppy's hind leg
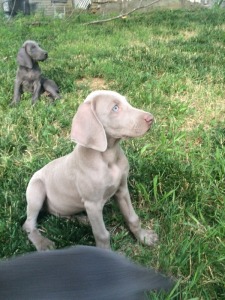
36	196
51	88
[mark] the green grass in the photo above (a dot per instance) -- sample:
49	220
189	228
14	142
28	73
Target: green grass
171	63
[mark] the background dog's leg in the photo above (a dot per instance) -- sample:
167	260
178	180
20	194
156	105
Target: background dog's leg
148	237
95	216
35	199
51	88
37	91
17	92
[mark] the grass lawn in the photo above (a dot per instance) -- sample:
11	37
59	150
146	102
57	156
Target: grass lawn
171	63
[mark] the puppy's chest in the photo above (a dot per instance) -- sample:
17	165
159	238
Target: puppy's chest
29	78
112	176
114	172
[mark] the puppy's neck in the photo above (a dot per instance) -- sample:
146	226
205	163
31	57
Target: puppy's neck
34	66
112	142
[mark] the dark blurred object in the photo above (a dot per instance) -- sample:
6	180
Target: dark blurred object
12	7
82	273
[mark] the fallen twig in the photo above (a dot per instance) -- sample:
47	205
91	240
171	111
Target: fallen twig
121	15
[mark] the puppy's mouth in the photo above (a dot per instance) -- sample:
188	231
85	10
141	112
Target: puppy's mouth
43	57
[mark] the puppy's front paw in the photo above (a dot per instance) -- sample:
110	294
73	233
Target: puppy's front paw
45	244
13	103
148	237
40	242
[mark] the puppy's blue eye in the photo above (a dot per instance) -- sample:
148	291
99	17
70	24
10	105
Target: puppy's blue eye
115	108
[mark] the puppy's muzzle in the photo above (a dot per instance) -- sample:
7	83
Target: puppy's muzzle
44	56
149	119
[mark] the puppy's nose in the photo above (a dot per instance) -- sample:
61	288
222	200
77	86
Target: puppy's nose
46	54
149	119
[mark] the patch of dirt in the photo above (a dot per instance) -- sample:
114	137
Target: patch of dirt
189	34
205	105
95	83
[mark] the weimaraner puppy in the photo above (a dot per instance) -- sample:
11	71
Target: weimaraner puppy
82	272
96	170
29	77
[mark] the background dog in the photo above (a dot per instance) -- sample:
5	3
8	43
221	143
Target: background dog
29	77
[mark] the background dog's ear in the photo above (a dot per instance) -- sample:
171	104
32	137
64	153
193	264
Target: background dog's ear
24	59
87	130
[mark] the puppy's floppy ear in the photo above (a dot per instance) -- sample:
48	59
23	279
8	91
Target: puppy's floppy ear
24	59
87	130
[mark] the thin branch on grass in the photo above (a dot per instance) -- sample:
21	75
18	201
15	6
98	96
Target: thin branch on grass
104	2
12	10
122	15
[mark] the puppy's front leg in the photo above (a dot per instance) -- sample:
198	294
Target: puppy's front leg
37	91
148	237
17	92
101	234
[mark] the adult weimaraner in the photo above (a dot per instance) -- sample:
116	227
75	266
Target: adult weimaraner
96	170
82	272
29	77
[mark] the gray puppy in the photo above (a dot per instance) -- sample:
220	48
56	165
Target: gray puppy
29	77
83	272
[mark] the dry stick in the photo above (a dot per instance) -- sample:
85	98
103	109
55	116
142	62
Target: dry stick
13	7
122	15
